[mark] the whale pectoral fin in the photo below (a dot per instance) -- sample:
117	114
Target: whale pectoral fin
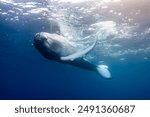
79	54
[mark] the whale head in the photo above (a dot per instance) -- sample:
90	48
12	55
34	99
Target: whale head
48	45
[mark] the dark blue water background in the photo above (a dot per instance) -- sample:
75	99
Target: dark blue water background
25	74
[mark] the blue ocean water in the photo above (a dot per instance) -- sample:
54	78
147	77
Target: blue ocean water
123	33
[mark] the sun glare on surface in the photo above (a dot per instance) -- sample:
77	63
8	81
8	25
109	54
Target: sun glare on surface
109	1
6	1
79	1
74	1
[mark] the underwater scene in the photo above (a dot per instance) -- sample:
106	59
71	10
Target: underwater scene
74	49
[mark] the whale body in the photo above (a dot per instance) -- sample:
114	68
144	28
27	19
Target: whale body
58	48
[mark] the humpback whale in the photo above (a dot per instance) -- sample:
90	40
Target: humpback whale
57	48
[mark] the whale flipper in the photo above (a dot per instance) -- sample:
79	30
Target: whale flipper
78	54
103	71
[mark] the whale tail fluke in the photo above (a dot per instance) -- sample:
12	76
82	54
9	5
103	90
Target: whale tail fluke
103	71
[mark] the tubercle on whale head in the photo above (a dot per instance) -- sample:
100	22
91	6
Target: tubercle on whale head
39	37
42	37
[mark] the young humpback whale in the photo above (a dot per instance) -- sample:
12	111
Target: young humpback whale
56	47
